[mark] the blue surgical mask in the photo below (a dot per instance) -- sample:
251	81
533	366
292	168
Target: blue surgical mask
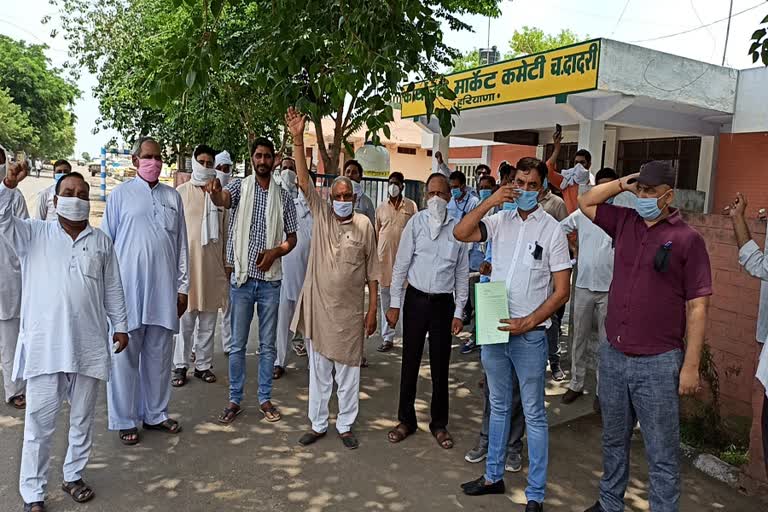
58	176
648	207
509	206
343	208
456	193
485	194
528	200
545	184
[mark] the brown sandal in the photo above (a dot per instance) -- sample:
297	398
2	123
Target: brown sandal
400	432
271	414
168	426
229	414
80	491
18	402
444	439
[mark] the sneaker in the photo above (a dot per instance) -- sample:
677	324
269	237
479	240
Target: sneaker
558	375
514	463
476	454
468	347
571	396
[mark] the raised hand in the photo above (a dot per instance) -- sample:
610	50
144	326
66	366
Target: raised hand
16	173
505	194
738	206
295	123
213	186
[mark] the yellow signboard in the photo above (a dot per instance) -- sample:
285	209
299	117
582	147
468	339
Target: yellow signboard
564	70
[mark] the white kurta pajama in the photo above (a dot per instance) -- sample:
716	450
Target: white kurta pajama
150	235
70	289
208	286
10	298
44	209
294	270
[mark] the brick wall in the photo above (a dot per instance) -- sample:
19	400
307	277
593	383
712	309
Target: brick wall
509	152
467	152
742	166
731	327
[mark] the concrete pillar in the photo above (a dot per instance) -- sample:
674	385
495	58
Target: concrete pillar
485	155
611	149
707	162
591	136
441	144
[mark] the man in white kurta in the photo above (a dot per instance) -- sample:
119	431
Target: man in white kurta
45	210
145	219
208	287
294	266
71	286
223	165
10	297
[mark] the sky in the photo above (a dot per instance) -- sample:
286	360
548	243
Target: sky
642	22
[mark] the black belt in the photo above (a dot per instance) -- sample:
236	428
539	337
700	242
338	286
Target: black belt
430	296
538	329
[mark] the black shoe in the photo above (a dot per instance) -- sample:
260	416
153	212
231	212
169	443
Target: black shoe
595	508
534	506
571	396
558	375
478	487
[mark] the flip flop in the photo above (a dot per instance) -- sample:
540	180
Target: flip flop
169	426
124	436
229	414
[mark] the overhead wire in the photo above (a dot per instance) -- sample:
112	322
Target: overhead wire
761	4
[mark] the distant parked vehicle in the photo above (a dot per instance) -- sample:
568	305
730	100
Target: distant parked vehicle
94	168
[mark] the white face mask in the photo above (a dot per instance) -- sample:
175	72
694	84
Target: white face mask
357	189
73	208
288	177
201	174
224	177
394	190
437	207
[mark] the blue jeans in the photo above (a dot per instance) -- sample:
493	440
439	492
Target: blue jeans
266	295
525	355
641	388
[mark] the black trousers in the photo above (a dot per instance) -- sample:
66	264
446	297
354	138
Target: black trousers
424	314
765	431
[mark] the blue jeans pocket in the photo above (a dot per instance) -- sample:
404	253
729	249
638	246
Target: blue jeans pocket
534	337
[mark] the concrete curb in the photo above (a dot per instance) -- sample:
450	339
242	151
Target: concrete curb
712	466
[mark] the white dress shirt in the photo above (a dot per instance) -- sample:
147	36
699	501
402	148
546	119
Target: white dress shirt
10	267
70	288
295	262
431	266
595	252
150	234
45	210
756	264
514	241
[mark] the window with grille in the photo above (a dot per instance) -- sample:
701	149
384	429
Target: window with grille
682	153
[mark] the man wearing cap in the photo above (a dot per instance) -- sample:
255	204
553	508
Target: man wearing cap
223	165
661	284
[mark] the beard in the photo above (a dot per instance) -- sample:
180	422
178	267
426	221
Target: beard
262	170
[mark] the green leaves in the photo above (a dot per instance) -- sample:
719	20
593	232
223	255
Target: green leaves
759	47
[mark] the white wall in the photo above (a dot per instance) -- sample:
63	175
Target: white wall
751	101
639	71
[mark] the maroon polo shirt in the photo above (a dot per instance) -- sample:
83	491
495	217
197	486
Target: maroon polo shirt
646	307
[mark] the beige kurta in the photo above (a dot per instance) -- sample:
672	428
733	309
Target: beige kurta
390	223
331	307
208	287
